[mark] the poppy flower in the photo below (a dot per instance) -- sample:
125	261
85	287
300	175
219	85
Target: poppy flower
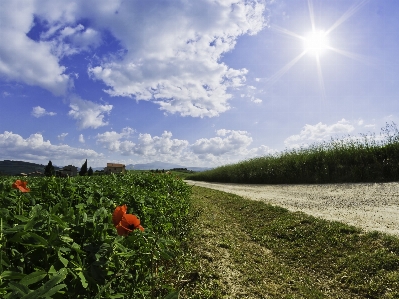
21	185
118	214
125	223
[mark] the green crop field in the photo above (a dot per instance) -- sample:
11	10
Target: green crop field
366	159
58	240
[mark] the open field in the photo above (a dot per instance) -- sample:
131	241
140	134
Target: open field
248	249
365	205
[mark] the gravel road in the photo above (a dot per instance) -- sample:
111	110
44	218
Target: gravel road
373	207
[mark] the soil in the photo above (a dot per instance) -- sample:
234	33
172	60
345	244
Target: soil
370	206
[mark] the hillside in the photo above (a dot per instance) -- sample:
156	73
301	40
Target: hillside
8	167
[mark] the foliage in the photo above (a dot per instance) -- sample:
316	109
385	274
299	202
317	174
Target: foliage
339	161
58	240
90	171
83	169
49	169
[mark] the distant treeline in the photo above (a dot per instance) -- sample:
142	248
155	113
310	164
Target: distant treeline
365	159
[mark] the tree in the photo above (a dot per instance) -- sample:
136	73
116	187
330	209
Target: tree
90	172
83	169
49	170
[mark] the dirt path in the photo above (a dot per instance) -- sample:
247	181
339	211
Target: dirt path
369	206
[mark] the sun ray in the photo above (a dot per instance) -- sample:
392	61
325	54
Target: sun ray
311	15
285	68
361	58
285	31
316	42
321	80
352	10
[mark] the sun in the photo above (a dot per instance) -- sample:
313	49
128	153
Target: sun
316	42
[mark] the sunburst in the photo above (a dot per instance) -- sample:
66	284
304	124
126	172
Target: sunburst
316	43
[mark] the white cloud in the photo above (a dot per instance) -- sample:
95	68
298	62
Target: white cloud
170	50
233	142
318	133
176	63
146	145
21	58
35	148
81	138
229	146
87	113
39	112
256	100
62	136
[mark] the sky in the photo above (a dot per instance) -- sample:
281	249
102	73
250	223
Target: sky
197	83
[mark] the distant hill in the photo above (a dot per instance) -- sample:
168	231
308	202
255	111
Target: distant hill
9	167
162	165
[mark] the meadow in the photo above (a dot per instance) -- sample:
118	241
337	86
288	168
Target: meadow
75	238
346	160
59	241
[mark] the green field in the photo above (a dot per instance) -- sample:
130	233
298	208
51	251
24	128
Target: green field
58	240
368	159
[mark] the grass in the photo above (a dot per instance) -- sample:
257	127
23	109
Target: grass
367	159
248	249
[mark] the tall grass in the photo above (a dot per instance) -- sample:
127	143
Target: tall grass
365	159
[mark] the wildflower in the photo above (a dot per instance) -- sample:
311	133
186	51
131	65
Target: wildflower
21	185
125	223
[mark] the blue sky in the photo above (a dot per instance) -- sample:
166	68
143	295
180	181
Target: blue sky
198	83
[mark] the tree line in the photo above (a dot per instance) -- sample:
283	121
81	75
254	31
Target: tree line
50	171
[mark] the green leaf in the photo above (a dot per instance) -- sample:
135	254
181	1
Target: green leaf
19	288
54	290
57	219
51	287
38	238
83	279
66	239
33	277
11	275
21	218
172	295
63	260
52	270
30	224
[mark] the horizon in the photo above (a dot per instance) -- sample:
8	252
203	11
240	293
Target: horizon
203	84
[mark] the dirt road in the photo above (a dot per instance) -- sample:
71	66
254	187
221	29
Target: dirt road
369	206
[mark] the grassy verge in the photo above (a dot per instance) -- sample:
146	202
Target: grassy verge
248	249
368	159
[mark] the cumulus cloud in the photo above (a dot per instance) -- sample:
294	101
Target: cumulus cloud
227	141
176	63
87	113
229	146
318	133
146	145
62	136
39	112
23	59
36	148
81	138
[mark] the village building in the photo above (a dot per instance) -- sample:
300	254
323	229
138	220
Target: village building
114	168
69	170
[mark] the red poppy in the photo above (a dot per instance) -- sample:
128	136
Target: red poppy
21	185
125	223
118	214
